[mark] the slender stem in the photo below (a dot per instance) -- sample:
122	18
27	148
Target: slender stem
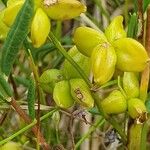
97	124
27	127
63	51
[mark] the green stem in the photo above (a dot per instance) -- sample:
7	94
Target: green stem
27	127
65	54
97	124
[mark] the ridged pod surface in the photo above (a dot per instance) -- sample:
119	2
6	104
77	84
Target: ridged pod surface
40	28
136	108
115	30
131	84
86	39
11	12
63	9
84	62
49	78
103	61
62	95
115	103
81	93
131	55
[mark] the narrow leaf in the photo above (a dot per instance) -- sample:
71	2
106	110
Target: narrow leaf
17	34
133	26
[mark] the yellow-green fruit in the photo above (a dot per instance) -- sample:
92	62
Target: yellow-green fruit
115	103
103	61
40	28
63	9
11	146
62	95
3	28
86	39
83	61
131	84
11	12
49	78
115	30
81	92
131	55
136	108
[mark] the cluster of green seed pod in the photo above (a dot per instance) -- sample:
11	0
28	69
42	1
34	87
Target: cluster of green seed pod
66	84
111	51
44	11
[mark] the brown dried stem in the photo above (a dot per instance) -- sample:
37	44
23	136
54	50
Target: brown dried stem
25	117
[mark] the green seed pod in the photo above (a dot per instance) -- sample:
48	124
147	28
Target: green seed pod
40	28
49	78
11	12
137	109
81	93
11	145
62	95
63	9
115	30
115	103
83	61
87	38
131	84
131	55
103	62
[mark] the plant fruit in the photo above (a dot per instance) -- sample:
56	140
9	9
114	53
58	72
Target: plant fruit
62	95
86	39
115	103
81	93
103	62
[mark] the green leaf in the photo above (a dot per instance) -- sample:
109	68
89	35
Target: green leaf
31	98
16	35
145	4
5	85
133	26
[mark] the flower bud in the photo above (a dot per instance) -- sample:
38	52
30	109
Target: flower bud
40	28
87	38
81	93
115	103
62	95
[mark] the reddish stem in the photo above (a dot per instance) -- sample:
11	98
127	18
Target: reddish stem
26	118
